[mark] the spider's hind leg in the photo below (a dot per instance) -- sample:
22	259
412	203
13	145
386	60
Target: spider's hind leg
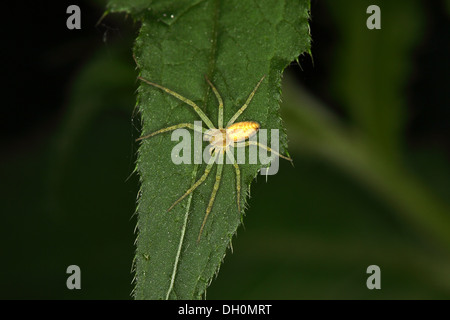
213	196
238	180
255	143
195	185
219	99
238	185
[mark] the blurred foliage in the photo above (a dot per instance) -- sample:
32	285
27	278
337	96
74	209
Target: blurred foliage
69	198
310	232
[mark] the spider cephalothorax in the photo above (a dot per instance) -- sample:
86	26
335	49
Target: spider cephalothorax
220	140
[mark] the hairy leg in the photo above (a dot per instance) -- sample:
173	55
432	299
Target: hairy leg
242	109
255	143
238	185
178	126
219	98
185	100
199	182
213	196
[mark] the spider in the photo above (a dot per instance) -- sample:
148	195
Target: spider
235	134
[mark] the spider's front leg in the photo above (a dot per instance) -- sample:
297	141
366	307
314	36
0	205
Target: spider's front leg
178	126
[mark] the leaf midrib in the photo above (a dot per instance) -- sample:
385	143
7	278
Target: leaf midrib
212	64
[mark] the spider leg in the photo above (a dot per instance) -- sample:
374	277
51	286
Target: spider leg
238	185
255	143
178	126
242	109
219	98
213	196
238	181
199	182
185	100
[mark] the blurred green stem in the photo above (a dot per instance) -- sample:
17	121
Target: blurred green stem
312	129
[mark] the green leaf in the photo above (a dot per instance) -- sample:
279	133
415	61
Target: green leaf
233	43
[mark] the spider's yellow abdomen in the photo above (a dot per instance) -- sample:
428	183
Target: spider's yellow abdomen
241	131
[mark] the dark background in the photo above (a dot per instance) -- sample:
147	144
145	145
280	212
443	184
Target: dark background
68	193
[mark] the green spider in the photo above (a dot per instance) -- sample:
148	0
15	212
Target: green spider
221	139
